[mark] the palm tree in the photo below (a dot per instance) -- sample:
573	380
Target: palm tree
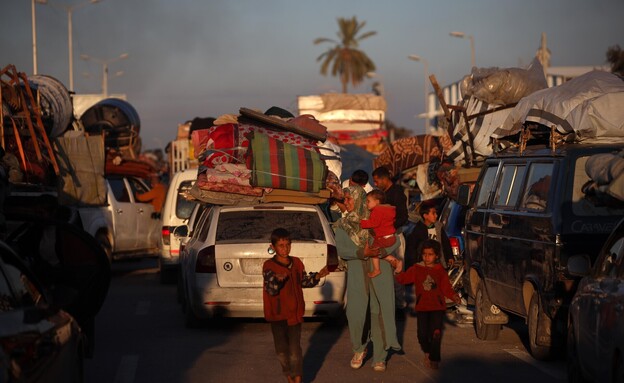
347	62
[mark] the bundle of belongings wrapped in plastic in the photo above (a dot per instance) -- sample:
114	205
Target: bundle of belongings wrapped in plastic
489	96
585	110
259	157
503	107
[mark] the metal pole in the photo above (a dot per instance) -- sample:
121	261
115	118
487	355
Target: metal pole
34	38
71	49
462	35
426	66
472	52
105	79
426	80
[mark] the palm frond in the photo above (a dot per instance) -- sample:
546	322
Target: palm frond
345	60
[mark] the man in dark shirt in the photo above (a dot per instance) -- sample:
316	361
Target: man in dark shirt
395	196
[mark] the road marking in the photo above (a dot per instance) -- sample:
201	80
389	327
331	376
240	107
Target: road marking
419	367
142	308
544	367
127	369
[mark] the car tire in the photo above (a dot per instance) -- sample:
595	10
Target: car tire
102	239
482	305
537	318
573	366
167	276
190	319
618	368
179	290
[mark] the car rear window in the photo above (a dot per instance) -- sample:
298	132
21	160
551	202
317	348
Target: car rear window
184	208
257	225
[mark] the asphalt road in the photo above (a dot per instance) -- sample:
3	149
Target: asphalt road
140	337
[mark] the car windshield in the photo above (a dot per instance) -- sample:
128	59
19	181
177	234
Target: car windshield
257	225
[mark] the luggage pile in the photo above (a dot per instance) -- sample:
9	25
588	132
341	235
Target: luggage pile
265	157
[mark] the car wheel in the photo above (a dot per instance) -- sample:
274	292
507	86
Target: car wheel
618	369
190	319
78	373
102	239
540	325
179	290
166	276
484	331
573	366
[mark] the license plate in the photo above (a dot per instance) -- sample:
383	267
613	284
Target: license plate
252	266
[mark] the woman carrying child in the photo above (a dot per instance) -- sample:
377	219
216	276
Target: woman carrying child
381	221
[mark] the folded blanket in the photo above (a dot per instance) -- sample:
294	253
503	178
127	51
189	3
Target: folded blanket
228	143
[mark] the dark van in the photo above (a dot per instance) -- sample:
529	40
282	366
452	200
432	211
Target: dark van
526	216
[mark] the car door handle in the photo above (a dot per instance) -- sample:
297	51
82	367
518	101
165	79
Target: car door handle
597	303
119	211
140	210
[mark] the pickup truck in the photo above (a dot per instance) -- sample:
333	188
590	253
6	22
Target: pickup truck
124	226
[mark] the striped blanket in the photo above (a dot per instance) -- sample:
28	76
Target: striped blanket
277	164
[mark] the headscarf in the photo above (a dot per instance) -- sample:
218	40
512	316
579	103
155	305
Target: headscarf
350	223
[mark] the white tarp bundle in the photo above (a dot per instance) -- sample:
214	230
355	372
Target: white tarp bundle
473	136
489	95
591	106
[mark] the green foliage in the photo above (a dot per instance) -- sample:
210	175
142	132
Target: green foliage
344	60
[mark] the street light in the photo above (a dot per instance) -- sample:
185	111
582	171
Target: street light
34	32
70	9
426	66
105	68
462	35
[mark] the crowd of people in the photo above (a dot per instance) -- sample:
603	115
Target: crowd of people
373	237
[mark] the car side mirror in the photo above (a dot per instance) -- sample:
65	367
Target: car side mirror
463	195
181	231
579	265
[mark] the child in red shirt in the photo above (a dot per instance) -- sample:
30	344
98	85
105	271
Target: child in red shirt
431	286
284	276
381	221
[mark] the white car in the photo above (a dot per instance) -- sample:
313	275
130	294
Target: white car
221	265
176	212
124	226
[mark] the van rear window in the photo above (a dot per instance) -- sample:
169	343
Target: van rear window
184	207
589	200
257	225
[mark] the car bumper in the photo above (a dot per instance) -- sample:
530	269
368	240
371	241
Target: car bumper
208	300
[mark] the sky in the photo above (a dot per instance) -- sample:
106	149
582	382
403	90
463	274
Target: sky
201	58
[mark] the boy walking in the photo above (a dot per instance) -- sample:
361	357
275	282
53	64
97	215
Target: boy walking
431	286
284	277
430	227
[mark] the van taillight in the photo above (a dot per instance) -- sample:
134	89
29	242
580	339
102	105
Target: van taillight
332	258
454	245
165	232
206	262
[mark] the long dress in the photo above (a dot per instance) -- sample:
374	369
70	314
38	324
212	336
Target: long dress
362	291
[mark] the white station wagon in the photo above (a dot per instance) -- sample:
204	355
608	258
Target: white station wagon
221	265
